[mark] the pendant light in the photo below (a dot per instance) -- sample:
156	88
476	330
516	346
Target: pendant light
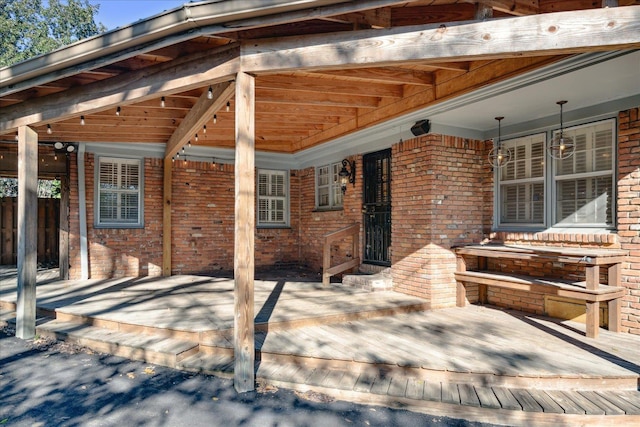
561	147
499	155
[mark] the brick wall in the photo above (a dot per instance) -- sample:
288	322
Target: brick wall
436	205
629	213
314	224
203	200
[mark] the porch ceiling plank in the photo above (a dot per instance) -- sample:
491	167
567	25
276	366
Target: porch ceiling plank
462	66
297	109
199	115
315	84
185	73
315	98
490	72
512	7
395	75
546	34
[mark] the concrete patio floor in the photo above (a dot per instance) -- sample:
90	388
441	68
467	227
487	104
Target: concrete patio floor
379	347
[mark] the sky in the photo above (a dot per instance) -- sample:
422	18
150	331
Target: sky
116	13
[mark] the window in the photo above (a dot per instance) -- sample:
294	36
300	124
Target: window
584	181
272	198
521	182
119	193
578	191
328	192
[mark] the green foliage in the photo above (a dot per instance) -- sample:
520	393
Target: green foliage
47	189
33	27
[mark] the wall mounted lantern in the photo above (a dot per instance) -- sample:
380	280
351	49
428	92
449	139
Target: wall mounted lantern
347	174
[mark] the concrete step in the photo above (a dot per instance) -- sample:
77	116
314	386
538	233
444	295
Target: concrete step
380	281
150	348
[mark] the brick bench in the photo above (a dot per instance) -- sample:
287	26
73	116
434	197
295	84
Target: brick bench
590	291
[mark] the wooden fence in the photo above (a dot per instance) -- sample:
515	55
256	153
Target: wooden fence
48	236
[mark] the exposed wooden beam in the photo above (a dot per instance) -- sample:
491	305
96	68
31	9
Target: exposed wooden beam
483	11
186	73
393	75
199	115
511	7
27	232
326	85
546	34
244	252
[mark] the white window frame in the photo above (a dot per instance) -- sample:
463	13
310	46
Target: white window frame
119	192
552	177
272	199
332	187
525	181
589	156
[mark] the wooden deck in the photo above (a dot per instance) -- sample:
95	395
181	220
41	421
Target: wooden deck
382	347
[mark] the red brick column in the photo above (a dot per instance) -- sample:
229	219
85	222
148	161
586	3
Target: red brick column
629	213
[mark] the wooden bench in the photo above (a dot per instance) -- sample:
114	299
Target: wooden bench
590	291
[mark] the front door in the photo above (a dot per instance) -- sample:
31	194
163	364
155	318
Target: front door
377	207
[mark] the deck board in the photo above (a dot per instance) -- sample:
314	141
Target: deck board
608	407
487	398
507	399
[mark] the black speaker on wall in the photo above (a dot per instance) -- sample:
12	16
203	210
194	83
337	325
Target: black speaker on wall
421	127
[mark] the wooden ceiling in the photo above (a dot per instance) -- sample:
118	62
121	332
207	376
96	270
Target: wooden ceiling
298	109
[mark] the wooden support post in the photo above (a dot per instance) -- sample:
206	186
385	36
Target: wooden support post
592	276
63	247
27	232
166	216
244	340
615	318
593	319
461	291
614	274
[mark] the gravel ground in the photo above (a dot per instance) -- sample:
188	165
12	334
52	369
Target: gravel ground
48	383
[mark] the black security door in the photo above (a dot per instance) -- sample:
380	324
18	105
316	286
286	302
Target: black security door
377	207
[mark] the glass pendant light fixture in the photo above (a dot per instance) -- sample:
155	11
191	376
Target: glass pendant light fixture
561	146
499	155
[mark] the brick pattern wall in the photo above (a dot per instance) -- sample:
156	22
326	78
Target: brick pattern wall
315	224
118	252
436	205
629	213
203	202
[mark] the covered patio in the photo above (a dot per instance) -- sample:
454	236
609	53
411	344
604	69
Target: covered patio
377	347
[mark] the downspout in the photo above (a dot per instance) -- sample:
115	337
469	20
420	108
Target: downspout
82	207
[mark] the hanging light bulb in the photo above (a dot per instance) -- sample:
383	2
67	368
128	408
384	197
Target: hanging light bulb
49	131
81	120
118	111
228	105
196	137
562	147
499	155
215	119
204	129
183	149
173	159
55	156
189	143
210	93
178	155
162	103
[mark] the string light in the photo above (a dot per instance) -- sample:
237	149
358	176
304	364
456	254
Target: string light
210	93
178	155
118	111
162	103
189	143
228	105
81	120
183	149
196	137
204	129
173	159
49	131
215	119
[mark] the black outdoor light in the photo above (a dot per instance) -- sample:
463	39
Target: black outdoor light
347	174
64	146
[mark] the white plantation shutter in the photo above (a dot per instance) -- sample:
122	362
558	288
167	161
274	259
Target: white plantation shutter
521	182
119	202
584	181
272	198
